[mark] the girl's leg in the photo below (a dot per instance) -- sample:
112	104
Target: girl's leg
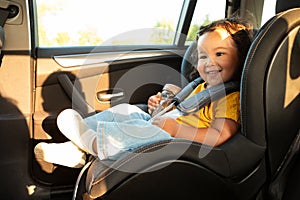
83	135
83	132
72	125
118	113
114	138
111	138
70	153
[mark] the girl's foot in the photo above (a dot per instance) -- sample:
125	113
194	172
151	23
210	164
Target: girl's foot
65	154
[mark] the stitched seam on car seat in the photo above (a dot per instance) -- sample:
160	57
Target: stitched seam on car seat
249	60
110	170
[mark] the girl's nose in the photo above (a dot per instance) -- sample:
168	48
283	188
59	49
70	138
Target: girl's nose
210	62
207	61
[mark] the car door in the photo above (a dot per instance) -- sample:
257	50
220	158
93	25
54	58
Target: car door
73	74
88	56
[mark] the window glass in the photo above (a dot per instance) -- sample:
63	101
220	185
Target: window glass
107	22
205	12
268	10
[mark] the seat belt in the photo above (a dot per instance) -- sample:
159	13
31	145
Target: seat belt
203	98
187	90
179	97
197	101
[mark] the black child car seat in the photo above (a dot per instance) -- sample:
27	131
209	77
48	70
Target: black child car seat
244	167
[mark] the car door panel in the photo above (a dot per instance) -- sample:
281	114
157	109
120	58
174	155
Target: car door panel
80	81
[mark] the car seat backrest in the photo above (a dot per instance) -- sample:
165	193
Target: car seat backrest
283	5
270	100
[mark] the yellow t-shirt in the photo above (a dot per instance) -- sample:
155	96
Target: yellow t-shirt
226	107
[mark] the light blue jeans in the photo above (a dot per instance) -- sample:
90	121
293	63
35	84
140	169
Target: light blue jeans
123	128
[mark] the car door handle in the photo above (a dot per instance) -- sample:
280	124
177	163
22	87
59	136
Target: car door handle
110	94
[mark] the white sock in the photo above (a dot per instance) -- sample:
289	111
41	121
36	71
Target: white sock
72	125
66	154
88	138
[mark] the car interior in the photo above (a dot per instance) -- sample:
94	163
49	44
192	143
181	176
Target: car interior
260	162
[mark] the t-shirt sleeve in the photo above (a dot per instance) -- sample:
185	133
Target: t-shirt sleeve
229	107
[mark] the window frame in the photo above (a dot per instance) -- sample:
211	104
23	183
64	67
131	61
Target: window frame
182	29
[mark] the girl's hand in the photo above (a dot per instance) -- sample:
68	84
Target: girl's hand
168	124
153	102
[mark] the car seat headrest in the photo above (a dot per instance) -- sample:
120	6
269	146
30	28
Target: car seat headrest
188	65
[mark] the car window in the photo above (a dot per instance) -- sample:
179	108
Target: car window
268	10
116	22
113	22
205	12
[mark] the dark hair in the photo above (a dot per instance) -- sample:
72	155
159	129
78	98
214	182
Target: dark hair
240	31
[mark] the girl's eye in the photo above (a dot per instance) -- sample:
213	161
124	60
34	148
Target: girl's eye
219	54
202	57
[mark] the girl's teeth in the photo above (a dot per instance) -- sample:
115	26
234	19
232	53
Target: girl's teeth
213	72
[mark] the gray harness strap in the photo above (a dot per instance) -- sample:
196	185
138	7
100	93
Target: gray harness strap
197	101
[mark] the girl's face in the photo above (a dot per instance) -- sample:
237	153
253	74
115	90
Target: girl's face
218	57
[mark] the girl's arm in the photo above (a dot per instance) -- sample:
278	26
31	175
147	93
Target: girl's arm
220	131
